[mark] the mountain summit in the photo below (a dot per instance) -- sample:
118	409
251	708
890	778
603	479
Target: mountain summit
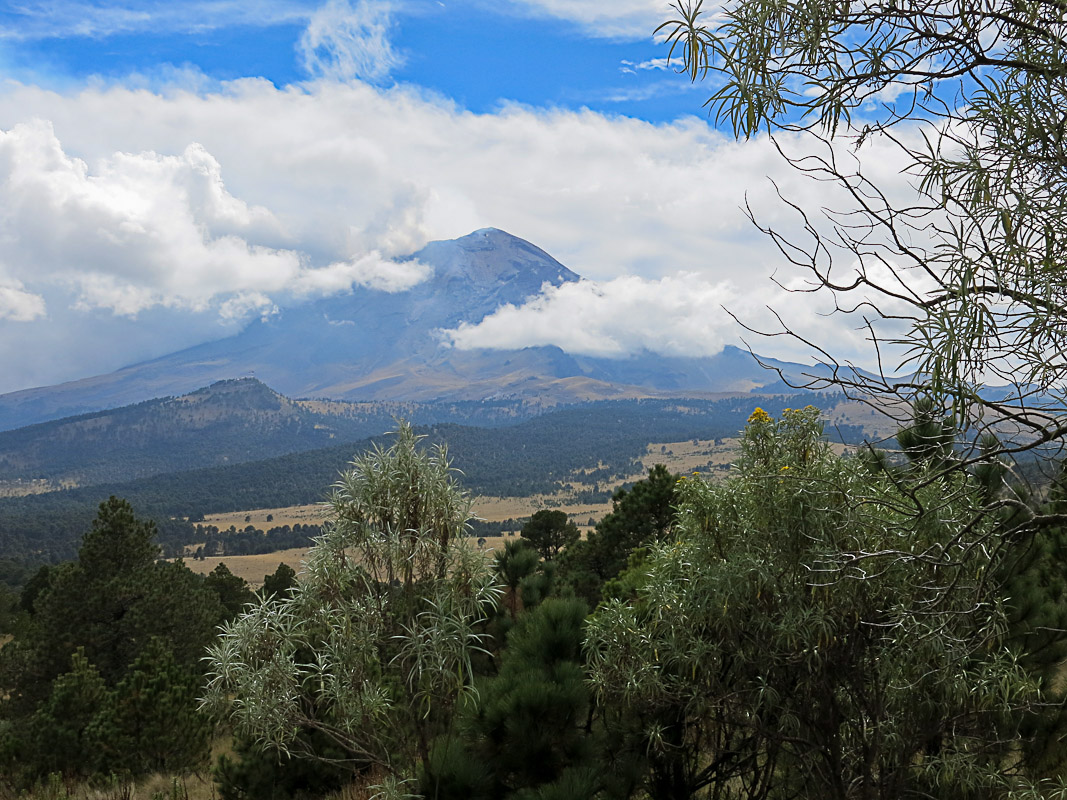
374	345
491	256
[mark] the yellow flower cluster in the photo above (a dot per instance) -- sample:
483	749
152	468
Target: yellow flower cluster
759	415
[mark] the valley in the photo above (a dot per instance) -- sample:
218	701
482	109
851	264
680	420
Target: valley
574	455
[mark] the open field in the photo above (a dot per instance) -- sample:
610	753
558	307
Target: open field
683	458
491	509
254	568
314	514
23	487
709	456
251	568
678	457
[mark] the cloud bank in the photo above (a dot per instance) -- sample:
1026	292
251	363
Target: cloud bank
194	210
678	315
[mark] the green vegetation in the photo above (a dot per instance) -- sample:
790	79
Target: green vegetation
549	532
639	517
761	636
959	281
373	647
103	673
782	639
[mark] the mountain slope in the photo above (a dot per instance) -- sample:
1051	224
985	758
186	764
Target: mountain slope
228	422
373	345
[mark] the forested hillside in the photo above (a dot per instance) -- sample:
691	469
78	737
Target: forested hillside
230	422
604	440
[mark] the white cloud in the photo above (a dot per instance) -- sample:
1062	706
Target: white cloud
344	41
190	201
370	270
45	19
143	230
18	305
614	19
660	88
679	315
247	304
633	67
136	231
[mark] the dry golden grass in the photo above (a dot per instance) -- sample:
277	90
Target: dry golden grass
876	425
198	786
683	458
499	509
313	514
22	488
252	568
195	787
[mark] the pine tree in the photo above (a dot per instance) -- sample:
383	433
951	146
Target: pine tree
550	532
63	735
153	723
640	516
527	734
279	583
113	614
233	592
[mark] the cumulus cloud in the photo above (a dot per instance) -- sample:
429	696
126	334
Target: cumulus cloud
679	315
140	230
344	41
18	305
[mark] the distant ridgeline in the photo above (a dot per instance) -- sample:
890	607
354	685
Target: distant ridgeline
229	422
604	439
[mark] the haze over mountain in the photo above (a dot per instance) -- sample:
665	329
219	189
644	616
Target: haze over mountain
376	345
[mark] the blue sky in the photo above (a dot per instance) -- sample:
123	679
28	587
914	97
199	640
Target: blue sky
478	54
171	170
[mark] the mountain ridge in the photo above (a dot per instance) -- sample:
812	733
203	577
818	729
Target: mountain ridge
373	345
230	422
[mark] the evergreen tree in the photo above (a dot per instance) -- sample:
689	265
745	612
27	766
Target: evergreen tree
550	532
252	773
517	561
526	734
63	735
233	592
279	583
929	439
117	636
113	600
153	723
40	581
640	516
